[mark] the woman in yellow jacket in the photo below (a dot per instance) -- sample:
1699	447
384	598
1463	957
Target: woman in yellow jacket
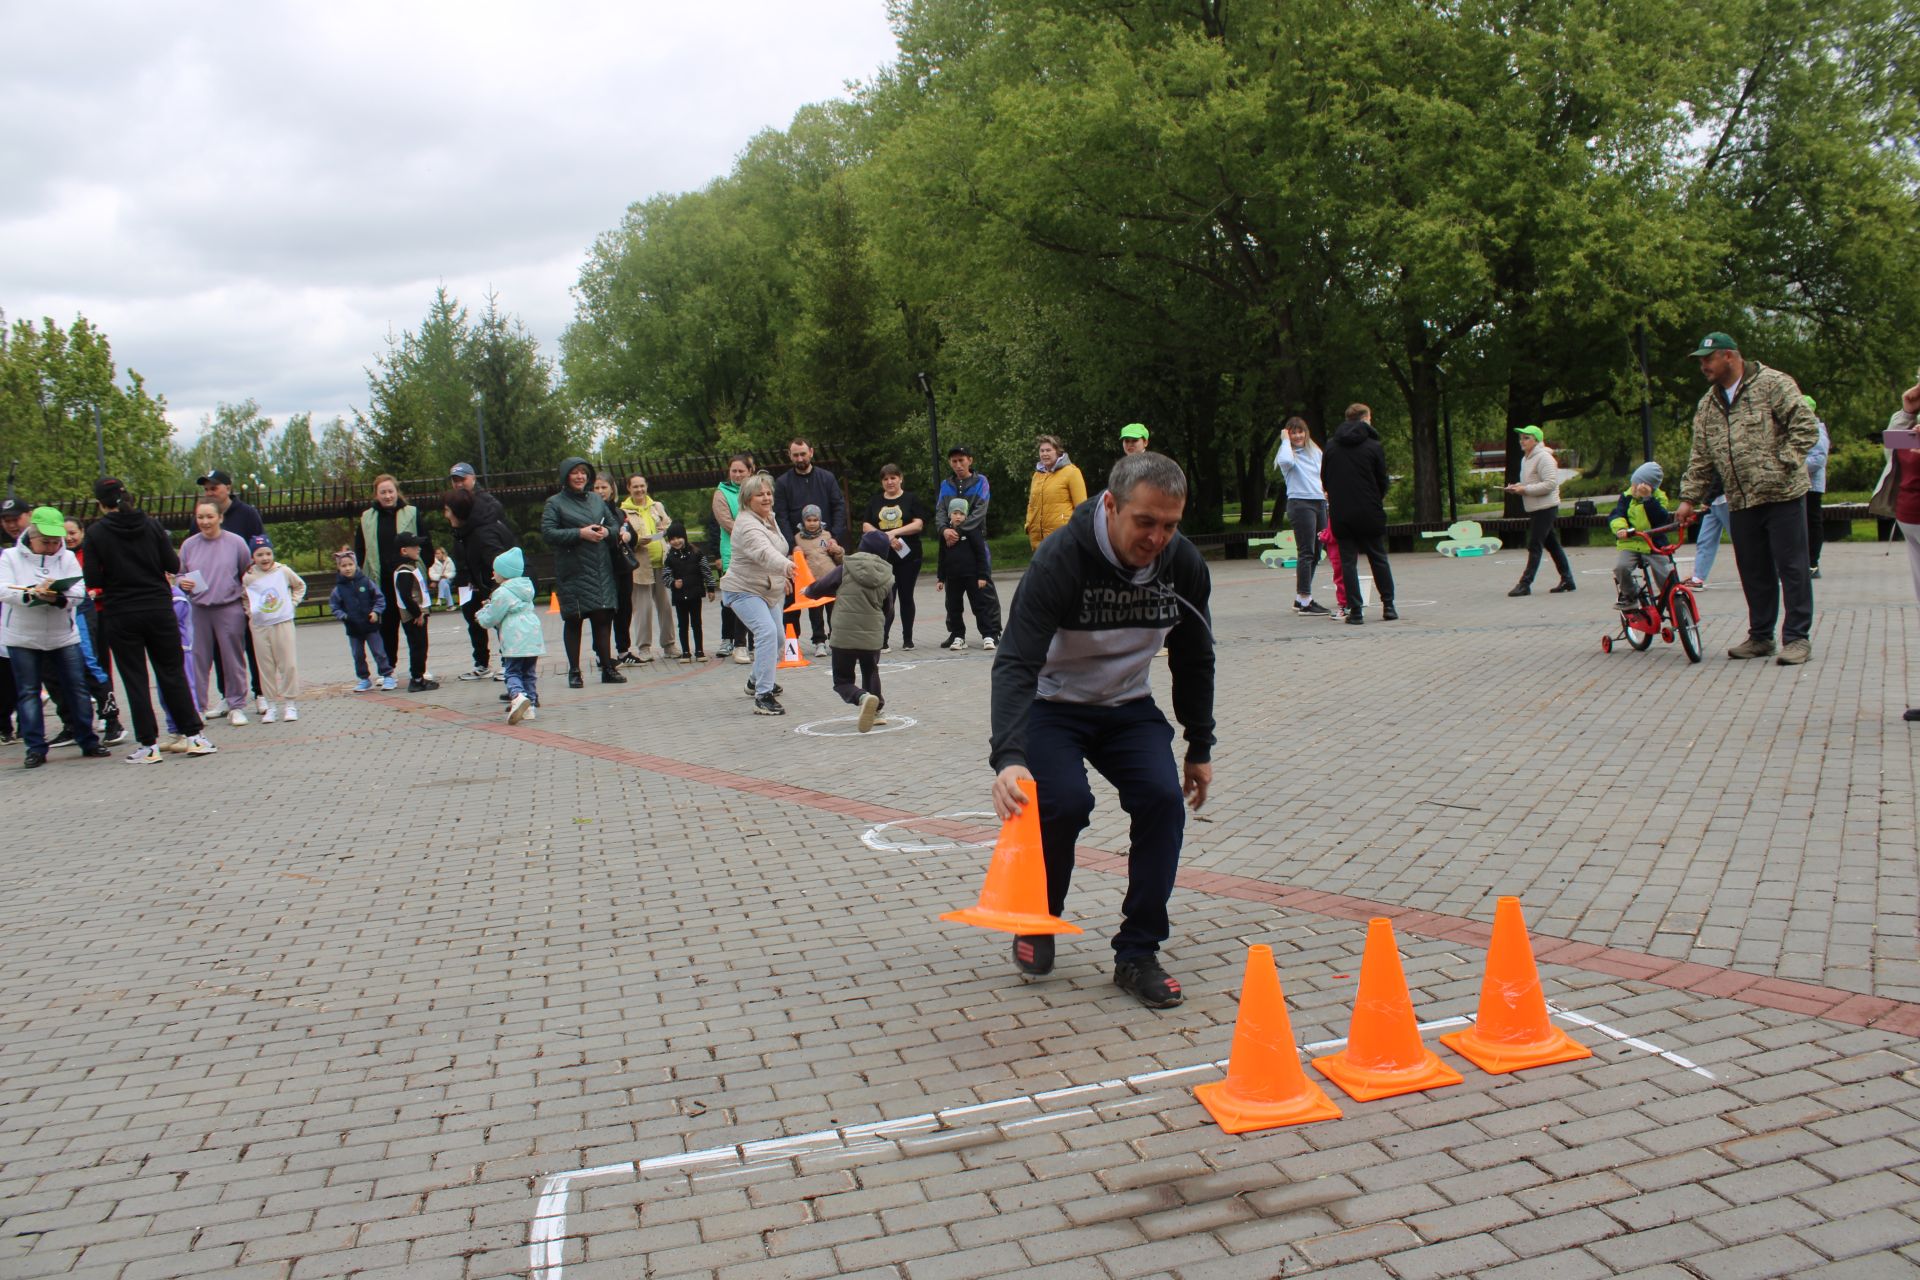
1057	489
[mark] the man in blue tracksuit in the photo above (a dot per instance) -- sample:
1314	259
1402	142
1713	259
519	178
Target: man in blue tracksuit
1070	689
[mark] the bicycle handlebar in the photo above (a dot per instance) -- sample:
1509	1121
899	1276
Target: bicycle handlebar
1646	536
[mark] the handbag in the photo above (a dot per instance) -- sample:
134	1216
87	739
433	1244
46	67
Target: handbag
1881	503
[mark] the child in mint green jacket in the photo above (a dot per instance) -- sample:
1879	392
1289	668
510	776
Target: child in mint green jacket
509	610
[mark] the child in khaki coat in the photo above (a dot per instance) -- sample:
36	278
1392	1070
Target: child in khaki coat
815	541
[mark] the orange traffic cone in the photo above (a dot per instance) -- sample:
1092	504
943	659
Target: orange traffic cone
802	579
1265	1086
1014	899
553	602
1384	1056
790	653
1512	1031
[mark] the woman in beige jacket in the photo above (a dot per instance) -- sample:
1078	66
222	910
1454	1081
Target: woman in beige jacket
1539	490
651	602
755	587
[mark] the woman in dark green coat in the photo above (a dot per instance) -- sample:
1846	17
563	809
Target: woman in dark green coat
576	524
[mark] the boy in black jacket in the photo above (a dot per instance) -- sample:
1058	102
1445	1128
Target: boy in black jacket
689	582
963	570
1070	688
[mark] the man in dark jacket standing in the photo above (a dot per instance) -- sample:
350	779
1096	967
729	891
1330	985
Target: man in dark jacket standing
480	533
1070	688
128	558
1355	475
806	485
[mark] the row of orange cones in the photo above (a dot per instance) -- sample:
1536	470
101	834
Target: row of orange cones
1266	1087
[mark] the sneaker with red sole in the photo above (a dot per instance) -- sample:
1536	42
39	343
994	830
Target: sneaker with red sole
1142	978
1033	953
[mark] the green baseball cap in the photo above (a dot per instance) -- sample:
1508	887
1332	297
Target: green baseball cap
1715	341
48	522
1808	401
1134	431
1535	432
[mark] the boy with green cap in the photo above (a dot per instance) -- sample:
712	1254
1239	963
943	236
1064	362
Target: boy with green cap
41	586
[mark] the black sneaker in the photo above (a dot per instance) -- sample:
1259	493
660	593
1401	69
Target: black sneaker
1354	617
611	675
422	686
1389	614
1142	978
97	752
754	693
906	644
1033	952
35	759
764	705
1313	608
64	738
574	681
115	735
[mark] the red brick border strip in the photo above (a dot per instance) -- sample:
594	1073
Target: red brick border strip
1830	1003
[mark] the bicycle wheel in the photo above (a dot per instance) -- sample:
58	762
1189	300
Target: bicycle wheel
1686	621
1640	640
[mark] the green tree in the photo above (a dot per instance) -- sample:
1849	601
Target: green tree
421	396
235	438
52	381
529	422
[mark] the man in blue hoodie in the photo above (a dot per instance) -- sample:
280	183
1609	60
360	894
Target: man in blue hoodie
1098	602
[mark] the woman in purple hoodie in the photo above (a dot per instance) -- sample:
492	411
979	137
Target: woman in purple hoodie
212	562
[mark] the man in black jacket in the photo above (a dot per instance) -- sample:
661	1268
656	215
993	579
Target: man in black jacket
1354	473
480	533
128	558
806	485
1070	689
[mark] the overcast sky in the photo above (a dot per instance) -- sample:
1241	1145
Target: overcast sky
248	197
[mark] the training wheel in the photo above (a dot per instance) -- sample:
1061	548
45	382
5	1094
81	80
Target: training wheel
1606	644
1666	633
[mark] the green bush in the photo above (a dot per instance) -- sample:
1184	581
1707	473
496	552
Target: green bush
1855	465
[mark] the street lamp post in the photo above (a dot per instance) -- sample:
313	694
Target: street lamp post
933	423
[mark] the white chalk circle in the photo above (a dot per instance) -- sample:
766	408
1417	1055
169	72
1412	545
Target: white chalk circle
817	729
873	838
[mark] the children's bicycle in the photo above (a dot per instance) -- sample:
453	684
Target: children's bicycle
1669	614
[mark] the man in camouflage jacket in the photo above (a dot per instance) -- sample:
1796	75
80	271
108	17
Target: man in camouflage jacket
1755	430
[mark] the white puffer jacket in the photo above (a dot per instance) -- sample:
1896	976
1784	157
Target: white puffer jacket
39	625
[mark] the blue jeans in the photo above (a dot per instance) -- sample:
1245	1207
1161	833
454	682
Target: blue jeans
522	677
67	673
1131	746
359	644
760	620
1713	519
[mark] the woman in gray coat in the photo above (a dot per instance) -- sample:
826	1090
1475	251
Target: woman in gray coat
576	524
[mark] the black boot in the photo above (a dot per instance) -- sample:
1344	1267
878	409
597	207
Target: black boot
574	681
1565	584
1522	590
610	674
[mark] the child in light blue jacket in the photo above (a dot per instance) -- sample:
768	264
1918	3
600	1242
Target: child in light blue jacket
509	610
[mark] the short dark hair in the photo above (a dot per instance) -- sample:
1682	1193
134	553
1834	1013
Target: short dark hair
799	440
1155	470
458	500
1357	410
109	491
889	469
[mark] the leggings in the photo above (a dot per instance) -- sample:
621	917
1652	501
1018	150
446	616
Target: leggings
689	615
602	622
906	572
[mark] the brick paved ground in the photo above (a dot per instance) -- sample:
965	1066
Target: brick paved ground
345	998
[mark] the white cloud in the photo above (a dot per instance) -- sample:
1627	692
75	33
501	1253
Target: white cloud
247	199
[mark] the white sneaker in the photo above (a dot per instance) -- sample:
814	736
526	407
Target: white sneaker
743	656
198	745
293	713
819	650
957	645
176	745
533	713
518	708
269	716
261	704
989	643
478	673
144	755
236	717
869	709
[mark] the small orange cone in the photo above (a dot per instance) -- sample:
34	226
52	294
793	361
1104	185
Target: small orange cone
1384	1056
1265	1086
790	654
1014	899
553	602
1512	1032
802	579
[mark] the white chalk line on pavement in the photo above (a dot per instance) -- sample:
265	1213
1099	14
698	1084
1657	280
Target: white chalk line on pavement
547	1234
873	838
895	723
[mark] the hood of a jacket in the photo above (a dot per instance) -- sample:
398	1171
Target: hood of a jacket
1352	432
125	523
868	570
569	465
